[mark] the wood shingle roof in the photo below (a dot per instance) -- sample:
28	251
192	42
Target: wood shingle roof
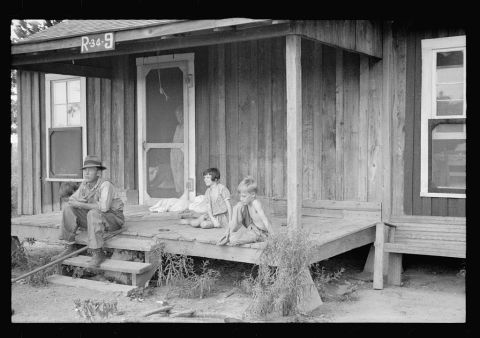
71	28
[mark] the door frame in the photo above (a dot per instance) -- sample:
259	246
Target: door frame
185	62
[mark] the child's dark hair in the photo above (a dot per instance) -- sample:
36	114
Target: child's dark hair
214	172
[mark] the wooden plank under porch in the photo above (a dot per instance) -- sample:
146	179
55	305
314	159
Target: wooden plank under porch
333	234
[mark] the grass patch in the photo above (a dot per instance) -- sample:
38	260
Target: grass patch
279	289
21	260
177	272
93	310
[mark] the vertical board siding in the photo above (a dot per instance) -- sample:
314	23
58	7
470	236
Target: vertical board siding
279	111
327	123
213	106
222	146
264	81
106	120
130	134
316	96
374	161
412	203
398	120
46	186
351	125
363	127
27	151
202	118
308	96
409	117
20	132
339	129
118	123
231	115
244	108
37	165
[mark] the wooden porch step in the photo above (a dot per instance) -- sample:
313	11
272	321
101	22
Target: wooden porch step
90	284
110	265
123	242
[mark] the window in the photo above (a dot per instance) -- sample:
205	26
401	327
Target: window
444	113
66	126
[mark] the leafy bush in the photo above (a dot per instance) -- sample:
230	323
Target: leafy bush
178	273
92	309
174	269
280	288
19	256
199	285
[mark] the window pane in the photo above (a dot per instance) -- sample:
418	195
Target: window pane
448	59
59	115
74	91
449	74
450	91
74	114
448	156
65	152
59	92
449	108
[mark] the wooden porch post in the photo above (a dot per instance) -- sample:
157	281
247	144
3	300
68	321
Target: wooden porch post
294	130
310	298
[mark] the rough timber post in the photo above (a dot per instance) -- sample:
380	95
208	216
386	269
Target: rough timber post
310	298
294	130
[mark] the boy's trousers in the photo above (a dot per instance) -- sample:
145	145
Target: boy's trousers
95	221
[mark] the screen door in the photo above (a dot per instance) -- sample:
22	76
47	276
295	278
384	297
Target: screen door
165	90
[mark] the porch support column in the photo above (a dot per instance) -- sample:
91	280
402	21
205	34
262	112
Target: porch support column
294	130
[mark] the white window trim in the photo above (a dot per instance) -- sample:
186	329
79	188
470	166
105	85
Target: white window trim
83	118
428	92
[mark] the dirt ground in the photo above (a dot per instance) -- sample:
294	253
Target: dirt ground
433	290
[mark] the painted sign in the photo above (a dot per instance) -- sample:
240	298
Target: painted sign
97	43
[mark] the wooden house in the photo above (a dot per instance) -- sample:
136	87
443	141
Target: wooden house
347	125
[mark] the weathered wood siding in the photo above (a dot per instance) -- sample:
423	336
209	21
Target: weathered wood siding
408	119
110	134
341	118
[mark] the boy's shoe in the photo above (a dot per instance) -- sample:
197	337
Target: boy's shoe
97	258
69	248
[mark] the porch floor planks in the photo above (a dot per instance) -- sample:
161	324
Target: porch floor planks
165	227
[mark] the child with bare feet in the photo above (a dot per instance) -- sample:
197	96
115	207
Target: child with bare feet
249	213
218	200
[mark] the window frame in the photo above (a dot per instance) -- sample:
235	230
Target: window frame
430	47
49	79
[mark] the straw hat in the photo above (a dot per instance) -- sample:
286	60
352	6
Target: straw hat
92	161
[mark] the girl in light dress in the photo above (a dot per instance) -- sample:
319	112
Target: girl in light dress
218	200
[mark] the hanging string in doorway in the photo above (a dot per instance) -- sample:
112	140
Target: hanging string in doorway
162	91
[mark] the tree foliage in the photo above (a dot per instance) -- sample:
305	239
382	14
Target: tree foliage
20	29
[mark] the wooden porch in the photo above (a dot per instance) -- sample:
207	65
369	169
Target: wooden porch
334	233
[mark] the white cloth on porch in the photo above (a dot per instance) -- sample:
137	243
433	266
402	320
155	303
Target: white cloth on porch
171	204
199	204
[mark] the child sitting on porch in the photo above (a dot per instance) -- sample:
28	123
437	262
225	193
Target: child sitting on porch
218	200
249	213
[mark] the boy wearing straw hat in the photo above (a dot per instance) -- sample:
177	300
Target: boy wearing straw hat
95	206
